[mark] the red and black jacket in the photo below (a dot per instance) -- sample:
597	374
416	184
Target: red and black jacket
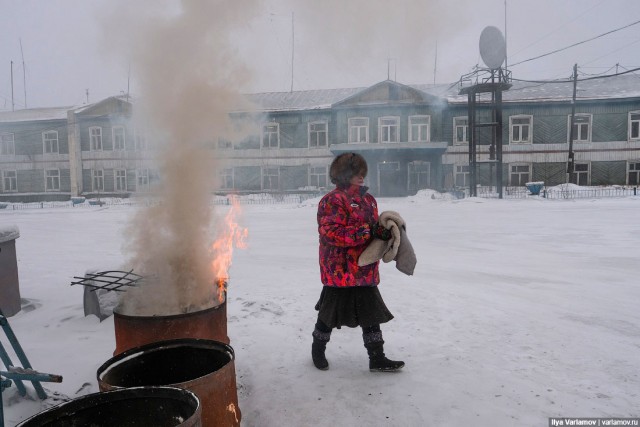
344	218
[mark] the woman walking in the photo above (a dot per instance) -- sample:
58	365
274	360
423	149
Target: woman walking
347	221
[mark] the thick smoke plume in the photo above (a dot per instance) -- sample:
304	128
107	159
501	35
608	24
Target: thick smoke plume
186	76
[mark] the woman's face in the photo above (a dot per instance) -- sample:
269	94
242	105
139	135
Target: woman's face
357	180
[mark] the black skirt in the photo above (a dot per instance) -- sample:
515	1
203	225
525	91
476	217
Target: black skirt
353	306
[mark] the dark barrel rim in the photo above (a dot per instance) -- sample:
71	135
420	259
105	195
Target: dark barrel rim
162	345
67	409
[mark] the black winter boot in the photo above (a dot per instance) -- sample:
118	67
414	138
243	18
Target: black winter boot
377	360
321	335
317	354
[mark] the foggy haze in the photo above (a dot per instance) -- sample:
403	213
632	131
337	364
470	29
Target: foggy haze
336	44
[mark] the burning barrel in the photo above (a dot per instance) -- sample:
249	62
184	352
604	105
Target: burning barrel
133	330
139	407
205	367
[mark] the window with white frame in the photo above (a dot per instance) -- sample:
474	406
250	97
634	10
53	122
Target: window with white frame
226	179
95	138
118	138
358	129
7	144
142	180
317	134
520	175
462	176
634	125
97	179
271	135
318	177
633	173
270	178
50	142
581	171
581	127
141	139
520	129
52	179
461	130
9	181
120	179
389	129
419	128
419	175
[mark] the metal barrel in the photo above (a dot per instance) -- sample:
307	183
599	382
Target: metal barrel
205	367
132	331
138	406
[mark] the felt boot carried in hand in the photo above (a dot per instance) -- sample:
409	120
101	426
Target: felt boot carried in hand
321	335
378	362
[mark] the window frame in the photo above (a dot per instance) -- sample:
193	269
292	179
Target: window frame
6	144
635	170
311	132
12	180
359	128
142	174
264	133
95	139
48	141
589	127
115	139
97	176
464	171
519	173
140	137
117	179
264	174
465	130
314	172
630	125
419	125
578	174
225	174
512	125
413	164
381	127
54	180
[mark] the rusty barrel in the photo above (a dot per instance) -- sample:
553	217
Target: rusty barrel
205	367
135	407
132	331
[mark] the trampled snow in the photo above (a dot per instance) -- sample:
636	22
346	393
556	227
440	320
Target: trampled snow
519	310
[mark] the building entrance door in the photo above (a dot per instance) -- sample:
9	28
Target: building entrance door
390	179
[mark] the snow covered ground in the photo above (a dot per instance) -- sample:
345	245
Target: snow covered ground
519	310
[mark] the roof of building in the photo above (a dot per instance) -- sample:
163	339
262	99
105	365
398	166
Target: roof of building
618	87
34	114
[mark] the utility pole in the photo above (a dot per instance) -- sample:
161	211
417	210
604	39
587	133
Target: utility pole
435	63
570	162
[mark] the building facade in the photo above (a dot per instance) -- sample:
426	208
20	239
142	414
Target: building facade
413	137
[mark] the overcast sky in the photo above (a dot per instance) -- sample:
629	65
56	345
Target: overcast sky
71	46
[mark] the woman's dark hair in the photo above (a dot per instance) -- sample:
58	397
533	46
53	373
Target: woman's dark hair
346	166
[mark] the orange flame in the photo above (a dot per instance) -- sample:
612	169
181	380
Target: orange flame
230	235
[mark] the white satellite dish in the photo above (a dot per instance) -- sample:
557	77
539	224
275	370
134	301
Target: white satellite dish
493	48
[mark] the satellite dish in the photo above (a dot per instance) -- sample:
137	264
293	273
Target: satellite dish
493	48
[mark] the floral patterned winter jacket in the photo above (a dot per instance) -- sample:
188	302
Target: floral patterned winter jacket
344	215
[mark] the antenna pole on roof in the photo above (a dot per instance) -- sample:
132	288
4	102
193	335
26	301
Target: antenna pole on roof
293	35
24	75
435	63
13	105
128	80
87	93
505	36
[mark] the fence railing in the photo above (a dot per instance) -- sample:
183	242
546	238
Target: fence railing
246	199
560	192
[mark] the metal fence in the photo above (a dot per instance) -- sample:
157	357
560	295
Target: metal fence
559	192
246	199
